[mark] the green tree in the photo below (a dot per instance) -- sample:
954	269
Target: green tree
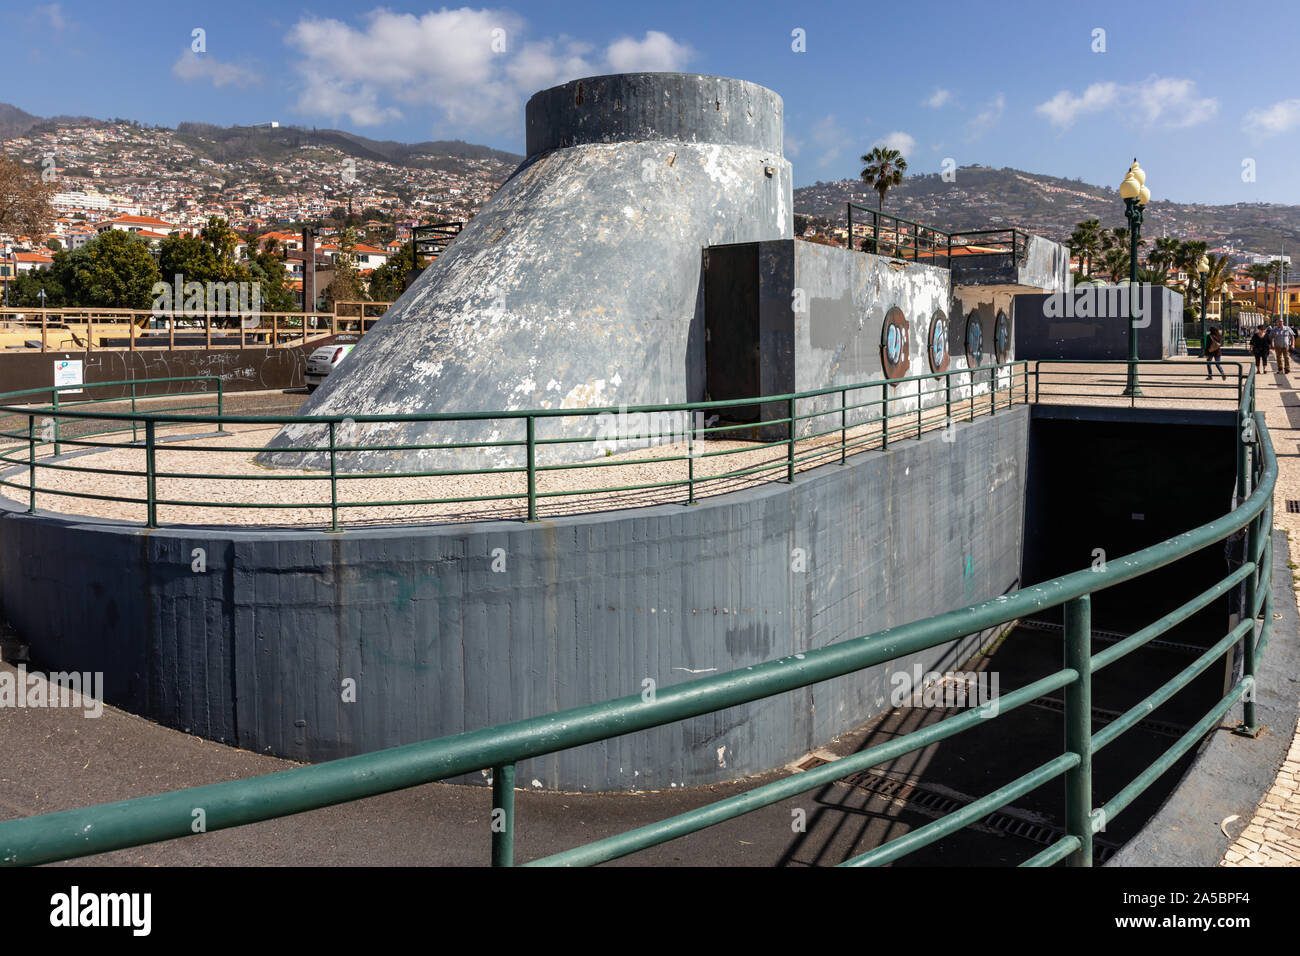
1187	258
115	270
1218	276
1163	255
1086	243
346	284
1115	262
267	269
222	240
190	257
1260	272
389	280
883	170
26	289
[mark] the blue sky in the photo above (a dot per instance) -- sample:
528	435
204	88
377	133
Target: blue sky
1194	89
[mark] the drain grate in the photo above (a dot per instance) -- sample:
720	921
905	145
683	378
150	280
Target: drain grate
1008	820
1293	506
1101	717
1114	637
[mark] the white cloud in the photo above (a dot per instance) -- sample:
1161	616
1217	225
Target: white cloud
1173	103
986	118
828	137
898	140
1064	108
1282	116
191	67
475	68
1168	102
656	53
444	59
938	98
548	63
53	14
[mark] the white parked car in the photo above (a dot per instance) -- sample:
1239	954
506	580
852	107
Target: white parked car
323	361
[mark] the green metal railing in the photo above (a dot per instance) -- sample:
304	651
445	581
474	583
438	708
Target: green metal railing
792	433
881	233
111	826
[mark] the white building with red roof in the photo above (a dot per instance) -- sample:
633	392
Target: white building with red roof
157	228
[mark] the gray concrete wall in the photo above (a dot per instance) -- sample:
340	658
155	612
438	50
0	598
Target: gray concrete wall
254	648
241	370
836	338
1092	322
578	285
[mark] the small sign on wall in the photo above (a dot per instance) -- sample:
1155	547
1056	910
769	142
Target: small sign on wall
68	372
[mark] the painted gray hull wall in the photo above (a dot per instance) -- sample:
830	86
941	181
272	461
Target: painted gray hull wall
254	650
836	340
578	285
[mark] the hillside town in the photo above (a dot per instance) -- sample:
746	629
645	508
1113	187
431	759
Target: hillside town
155	182
151	183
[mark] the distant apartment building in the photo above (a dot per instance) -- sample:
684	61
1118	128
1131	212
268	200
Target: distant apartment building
90	202
76	238
150	226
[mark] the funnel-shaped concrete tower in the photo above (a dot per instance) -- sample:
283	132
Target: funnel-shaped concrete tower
579	282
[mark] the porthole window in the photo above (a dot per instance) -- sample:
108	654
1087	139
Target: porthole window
937	343
974	340
1002	338
894	346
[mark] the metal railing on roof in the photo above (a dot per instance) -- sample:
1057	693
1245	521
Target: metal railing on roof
886	235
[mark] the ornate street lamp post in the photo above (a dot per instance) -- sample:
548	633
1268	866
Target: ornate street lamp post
1203	267
1135	194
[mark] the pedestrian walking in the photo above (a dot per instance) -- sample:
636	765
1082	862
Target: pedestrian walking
1282	337
1214	352
1259	346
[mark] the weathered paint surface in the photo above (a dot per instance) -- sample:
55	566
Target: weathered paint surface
821	315
310	645
578	284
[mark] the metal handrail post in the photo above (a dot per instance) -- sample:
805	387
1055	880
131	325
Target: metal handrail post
503	802
790	440
884	415
532	468
1078	727
844	426
690	456
151	480
334	484
31	464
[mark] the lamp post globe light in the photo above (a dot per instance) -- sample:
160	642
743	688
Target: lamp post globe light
1135	194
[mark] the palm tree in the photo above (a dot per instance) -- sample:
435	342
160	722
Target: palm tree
1115	262
1187	258
1259	272
1162	257
1086	243
883	168
1117	237
1275	277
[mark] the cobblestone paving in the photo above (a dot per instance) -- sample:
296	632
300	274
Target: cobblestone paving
1272	837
